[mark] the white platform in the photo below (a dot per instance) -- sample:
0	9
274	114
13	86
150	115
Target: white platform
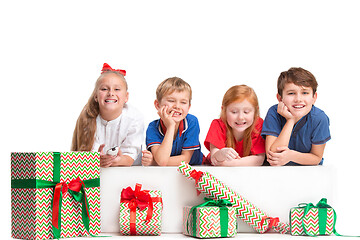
246	236
273	189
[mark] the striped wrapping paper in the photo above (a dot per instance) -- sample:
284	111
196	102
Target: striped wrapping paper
31	212
213	188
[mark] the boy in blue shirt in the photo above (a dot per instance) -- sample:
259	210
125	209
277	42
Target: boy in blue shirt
295	130
175	136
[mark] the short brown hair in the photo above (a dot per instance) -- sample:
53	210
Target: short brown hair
297	76
170	85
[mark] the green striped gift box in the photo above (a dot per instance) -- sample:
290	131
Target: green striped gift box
34	176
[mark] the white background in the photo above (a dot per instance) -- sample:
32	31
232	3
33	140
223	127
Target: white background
52	53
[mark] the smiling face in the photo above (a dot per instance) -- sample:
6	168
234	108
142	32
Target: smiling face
240	116
298	99
111	96
177	102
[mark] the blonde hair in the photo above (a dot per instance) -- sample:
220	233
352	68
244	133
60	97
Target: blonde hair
84	133
239	93
170	85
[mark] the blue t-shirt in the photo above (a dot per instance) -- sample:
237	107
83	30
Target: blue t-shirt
187	137
313	128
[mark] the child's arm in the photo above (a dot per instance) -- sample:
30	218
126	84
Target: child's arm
229	157
285	155
162	152
147	158
252	160
167	160
113	161
185	156
105	159
122	160
220	155
272	143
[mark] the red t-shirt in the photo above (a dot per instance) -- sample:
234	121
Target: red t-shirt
217	137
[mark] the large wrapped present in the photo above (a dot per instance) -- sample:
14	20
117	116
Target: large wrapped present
307	219
210	219
55	195
213	188
140	211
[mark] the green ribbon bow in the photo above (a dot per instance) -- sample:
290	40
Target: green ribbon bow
79	196
322	207
224	217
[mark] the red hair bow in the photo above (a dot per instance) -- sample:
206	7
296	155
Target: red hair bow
106	68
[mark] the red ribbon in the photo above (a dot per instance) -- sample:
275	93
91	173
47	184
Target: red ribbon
272	222
106	68
138	199
60	190
196	175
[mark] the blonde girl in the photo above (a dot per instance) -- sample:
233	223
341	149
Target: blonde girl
108	122
234	139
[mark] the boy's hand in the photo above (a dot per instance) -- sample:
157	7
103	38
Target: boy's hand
105	159
279	158
283	110
166	117
147	158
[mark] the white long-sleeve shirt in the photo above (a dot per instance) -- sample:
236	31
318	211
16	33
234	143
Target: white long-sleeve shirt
126	132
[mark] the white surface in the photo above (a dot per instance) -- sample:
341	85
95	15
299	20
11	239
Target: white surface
238	236
272	189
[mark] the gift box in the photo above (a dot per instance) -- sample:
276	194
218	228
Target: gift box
210	219
307	219
55	195
140	211
213	188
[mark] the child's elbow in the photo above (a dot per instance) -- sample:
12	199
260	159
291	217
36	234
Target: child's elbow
272	148
260	158
317	161
161	162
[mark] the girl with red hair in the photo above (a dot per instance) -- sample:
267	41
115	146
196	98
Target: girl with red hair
234	139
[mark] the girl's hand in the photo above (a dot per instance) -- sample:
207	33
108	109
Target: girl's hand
147	158
279	158
283	110
224	154
105	160
166	117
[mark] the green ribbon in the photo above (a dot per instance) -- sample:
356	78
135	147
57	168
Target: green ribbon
322	207
38	183
224	216
78	196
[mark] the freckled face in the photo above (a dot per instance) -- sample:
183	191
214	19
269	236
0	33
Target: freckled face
240	116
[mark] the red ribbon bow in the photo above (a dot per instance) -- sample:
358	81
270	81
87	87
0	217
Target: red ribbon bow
60	190
106	68
273	222
138	199
196	175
